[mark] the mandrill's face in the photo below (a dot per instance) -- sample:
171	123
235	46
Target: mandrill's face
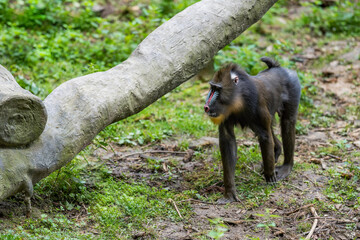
223	100
214	107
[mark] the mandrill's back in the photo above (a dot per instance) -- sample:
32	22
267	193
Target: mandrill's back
277	79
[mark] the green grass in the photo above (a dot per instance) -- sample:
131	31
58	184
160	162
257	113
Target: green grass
341	18
114	208
44	43
342	187
170	115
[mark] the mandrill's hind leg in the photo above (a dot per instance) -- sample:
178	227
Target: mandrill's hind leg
288	121
277	149
277	146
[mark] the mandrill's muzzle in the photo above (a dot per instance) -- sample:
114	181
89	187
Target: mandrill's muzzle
211	98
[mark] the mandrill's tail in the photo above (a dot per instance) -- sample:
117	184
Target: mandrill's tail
271	63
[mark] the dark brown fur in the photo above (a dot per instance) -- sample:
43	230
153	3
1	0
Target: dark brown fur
252	101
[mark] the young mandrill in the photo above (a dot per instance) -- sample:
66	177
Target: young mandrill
235	97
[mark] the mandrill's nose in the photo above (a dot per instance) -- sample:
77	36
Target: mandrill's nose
206	108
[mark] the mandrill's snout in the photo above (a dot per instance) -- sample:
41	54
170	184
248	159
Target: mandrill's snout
213	94
206	108
215	117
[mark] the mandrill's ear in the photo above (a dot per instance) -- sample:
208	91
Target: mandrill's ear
234	77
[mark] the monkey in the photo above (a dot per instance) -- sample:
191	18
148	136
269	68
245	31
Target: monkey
237	98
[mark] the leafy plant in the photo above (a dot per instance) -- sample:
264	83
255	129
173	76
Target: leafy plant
343	17
267	220
219	228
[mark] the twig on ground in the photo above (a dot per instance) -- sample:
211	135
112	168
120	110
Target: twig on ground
333	156
211	186
315	184
197	201
293	186
149	157
300	208
79	215
243	179
253	170
279	231
314	224
338	221
176	208
152	151
235	222
166	169
87	213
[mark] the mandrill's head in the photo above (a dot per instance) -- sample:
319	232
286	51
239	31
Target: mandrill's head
225	98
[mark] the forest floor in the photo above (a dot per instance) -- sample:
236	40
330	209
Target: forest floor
320	199
315	195
313	198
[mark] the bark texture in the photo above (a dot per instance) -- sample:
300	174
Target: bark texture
80	108
22	115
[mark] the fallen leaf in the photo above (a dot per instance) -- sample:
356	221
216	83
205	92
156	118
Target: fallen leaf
347	176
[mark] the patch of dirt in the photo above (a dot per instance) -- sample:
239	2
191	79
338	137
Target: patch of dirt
290	200
159	165
242	223
341	78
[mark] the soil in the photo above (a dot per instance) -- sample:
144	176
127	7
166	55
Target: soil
339	84
242	221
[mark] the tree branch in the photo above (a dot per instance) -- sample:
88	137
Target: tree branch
80	108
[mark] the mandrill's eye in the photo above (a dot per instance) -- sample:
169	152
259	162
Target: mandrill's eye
236	80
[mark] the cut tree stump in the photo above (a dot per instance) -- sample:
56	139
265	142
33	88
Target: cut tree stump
22	115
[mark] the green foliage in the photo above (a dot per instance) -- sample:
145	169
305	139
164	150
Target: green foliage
343	185
341	190
49	16
343	17
219	228
47	227
267	221
11	236
167	7
170	114
114	206
303	227
246	56
68	184
49	42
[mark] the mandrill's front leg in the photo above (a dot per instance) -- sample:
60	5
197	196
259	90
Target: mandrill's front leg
228	151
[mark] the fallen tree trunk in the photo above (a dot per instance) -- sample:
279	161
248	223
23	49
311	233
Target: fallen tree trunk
80	108
22	115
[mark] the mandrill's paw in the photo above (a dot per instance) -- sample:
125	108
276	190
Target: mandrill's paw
228	198
283	171
271	179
